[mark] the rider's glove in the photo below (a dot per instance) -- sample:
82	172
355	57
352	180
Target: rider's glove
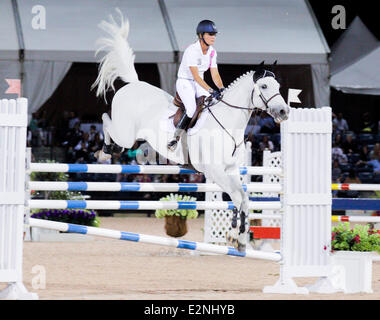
217	94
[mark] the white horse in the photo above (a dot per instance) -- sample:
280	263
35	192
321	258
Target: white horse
214	146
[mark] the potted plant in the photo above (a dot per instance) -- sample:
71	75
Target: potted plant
353	248
176	219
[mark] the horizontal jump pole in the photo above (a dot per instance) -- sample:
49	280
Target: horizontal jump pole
356	187
136	169
146	205
145	187
339	203
143	238
375	219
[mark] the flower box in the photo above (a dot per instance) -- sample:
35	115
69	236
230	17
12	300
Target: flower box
357	270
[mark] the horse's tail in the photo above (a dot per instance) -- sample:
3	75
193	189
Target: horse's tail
119	60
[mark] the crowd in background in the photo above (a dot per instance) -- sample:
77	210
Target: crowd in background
355	155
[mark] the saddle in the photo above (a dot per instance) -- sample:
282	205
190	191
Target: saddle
181	109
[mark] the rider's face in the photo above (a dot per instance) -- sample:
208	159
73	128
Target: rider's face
209	38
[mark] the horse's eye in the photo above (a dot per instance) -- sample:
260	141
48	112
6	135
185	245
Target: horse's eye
264	86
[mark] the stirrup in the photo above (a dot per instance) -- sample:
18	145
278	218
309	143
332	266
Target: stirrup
172	145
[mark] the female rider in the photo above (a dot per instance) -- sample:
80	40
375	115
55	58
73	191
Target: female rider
197	58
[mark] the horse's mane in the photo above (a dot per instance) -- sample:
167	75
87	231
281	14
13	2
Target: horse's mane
234	83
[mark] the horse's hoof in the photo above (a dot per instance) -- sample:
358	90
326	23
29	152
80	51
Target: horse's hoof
231	240
241	247
100	155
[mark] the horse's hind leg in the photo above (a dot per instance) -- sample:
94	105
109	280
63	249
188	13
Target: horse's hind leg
106	152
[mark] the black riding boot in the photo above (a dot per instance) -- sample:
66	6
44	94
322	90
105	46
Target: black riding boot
181	126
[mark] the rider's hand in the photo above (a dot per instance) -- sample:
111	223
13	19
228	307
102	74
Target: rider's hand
217	94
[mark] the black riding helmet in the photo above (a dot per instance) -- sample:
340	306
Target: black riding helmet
206	26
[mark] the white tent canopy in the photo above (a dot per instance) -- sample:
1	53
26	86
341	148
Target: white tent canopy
72	29
354	43
361	77
250	31
354	61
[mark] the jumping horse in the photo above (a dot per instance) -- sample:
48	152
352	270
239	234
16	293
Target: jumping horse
215	146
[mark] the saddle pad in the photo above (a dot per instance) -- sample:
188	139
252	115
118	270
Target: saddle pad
166	123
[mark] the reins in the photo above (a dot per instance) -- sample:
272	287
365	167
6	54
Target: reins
241	108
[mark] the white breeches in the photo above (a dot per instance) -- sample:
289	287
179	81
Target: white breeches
188	90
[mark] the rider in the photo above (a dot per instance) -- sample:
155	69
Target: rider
197	58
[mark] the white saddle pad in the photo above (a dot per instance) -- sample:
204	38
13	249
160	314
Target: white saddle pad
166	123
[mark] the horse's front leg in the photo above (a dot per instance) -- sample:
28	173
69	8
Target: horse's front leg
234	181
233	188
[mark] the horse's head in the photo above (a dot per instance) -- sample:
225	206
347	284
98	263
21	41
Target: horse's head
266	94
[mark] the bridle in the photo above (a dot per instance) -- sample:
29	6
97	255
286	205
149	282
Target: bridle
263	99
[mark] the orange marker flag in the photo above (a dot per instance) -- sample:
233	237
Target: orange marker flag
14	86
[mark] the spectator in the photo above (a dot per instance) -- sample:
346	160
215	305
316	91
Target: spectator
93	133
375	153
73	136
336	171
266	144
338	140
350	146
367	125
94	145
35	131
375	164
364	156
73	119
340	123
337	154
81	149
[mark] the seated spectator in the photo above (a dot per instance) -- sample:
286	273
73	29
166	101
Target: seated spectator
92	134
338	140
364	154
73	136
336	171
350	146
368	125
375	153
337	154
376	165
95	145
266	144
340	123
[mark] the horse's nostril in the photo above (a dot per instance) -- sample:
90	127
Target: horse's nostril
282	112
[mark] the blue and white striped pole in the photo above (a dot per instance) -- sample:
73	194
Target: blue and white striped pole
147	205
145	187
135	169
143	238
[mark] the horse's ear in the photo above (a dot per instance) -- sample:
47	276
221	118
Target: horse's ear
259	72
